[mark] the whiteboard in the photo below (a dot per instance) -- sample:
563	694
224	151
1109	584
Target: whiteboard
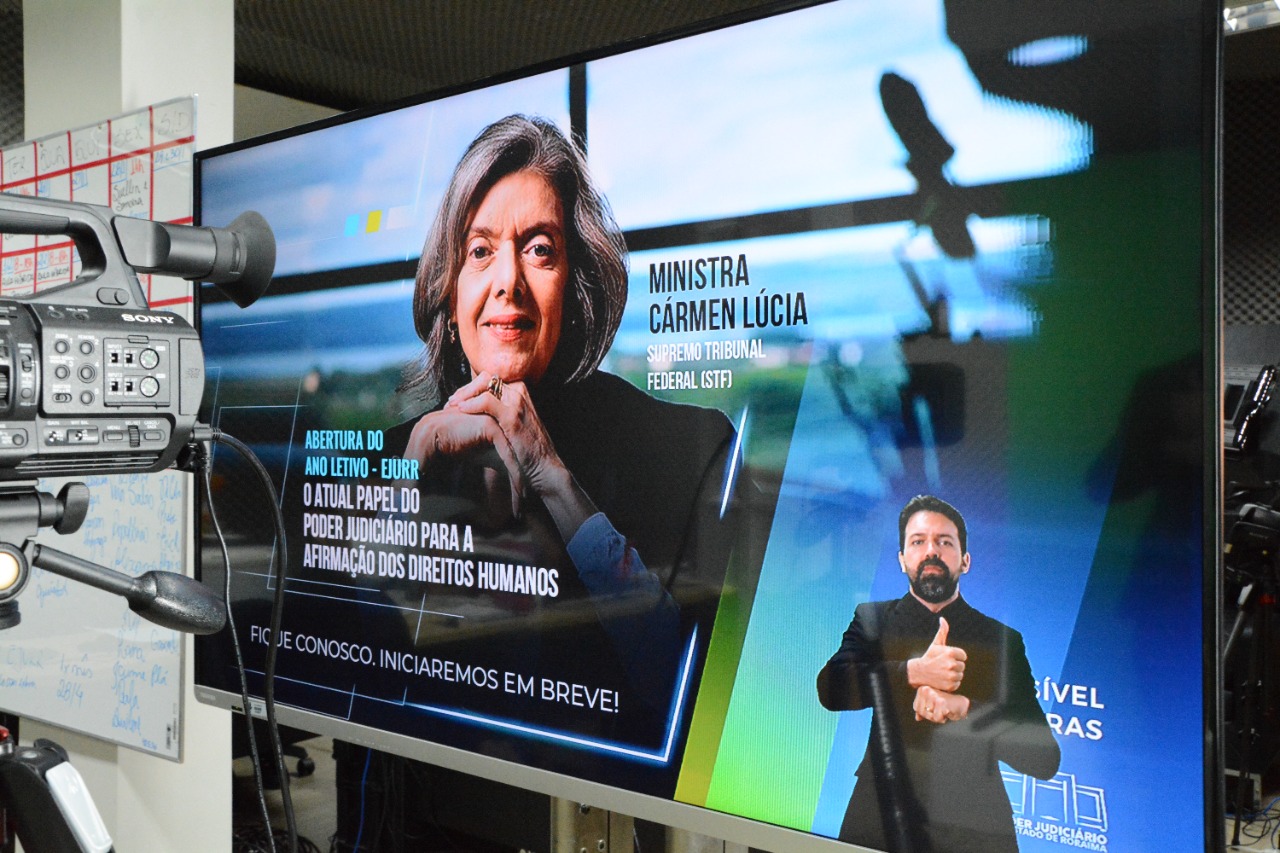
80	659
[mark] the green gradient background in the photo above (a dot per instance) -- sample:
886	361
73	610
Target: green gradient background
1126	297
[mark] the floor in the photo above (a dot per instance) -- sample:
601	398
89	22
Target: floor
1262	834
1253	836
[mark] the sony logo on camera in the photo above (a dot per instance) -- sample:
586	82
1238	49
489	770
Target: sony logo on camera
146	318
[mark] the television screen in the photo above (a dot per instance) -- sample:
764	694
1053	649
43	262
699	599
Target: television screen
802	431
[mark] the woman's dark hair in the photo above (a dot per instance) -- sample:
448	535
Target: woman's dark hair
597	256
928	503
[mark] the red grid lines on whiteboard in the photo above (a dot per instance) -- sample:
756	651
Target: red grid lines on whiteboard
139	165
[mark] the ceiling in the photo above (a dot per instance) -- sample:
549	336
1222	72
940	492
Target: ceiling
346	54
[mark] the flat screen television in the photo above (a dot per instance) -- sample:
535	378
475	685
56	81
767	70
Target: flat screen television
593	396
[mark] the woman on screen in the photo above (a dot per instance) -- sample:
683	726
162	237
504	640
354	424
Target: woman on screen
519	293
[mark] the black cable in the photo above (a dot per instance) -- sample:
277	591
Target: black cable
392	822
381	826
255	839
206	463
280	550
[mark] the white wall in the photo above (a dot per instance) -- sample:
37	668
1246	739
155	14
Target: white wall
86	60
258	112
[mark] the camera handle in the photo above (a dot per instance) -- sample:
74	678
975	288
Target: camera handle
43	797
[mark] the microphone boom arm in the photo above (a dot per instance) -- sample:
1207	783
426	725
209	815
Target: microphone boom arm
168	599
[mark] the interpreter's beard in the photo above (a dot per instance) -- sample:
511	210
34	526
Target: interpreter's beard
934	587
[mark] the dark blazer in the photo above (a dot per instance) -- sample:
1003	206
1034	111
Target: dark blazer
656	470
952	781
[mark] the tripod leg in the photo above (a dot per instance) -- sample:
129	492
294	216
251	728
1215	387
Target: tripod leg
47	801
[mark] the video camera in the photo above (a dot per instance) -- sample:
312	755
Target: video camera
92	381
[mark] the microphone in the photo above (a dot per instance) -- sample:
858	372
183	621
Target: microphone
178	602
165	598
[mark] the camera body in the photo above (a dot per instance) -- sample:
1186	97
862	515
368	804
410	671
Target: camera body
94	389
91	380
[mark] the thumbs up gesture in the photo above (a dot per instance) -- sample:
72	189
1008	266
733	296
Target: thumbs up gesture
941	666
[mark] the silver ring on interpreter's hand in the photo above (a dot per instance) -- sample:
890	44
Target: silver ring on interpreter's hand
496	385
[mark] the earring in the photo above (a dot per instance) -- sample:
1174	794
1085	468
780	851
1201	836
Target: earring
453	332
